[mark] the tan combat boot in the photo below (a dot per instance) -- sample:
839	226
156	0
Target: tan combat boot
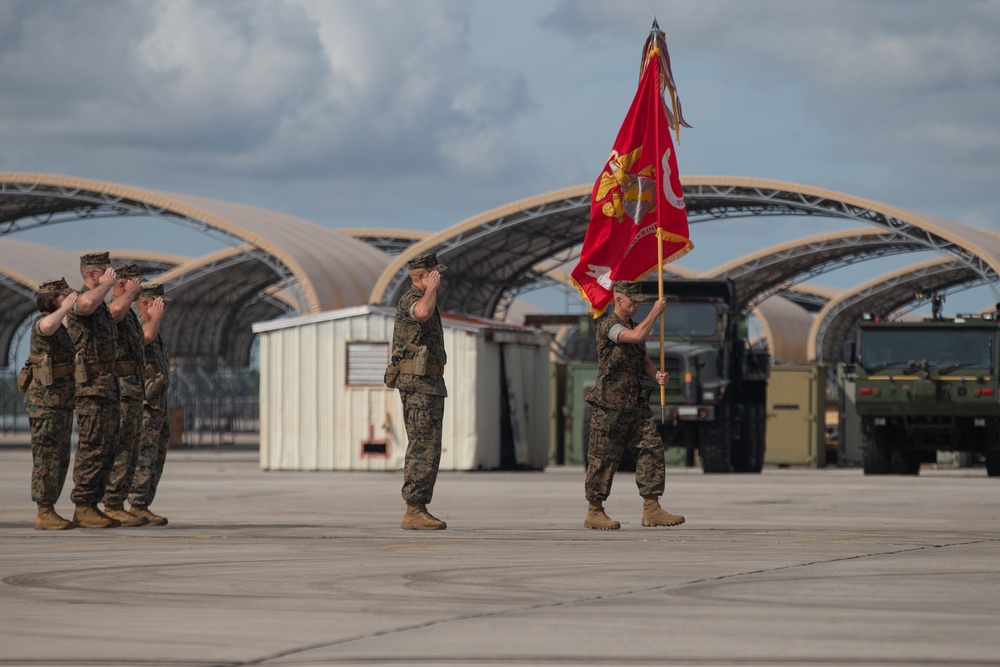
47	519
418	518
654	515
88	516
153	519
596	518
126	519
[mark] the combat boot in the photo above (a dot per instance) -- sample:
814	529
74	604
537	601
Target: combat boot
596	518
654	515
126	519
153	519
88	516
418	518
47	519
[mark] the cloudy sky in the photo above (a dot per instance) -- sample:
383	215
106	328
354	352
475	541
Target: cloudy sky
421	113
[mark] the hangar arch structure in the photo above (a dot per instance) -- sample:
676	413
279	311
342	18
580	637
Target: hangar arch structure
492	257
324	268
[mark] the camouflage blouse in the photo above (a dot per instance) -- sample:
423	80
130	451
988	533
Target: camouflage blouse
620	370
131	346
60	394
156	357
96	336
408	329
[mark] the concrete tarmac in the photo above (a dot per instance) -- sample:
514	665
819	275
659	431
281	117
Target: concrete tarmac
790	567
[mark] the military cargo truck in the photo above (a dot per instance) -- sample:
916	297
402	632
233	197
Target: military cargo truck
717	392
926	386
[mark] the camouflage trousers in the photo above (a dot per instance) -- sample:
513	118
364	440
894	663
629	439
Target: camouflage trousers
123	463
151	456
423	415
97	422
51	430
611	431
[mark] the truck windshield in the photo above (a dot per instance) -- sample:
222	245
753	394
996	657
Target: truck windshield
943	349
686	319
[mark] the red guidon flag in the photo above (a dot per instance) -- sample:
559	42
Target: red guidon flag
639	191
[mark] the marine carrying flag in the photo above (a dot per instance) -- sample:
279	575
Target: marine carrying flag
639	191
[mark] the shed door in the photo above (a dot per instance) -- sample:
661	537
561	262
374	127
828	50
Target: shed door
515	377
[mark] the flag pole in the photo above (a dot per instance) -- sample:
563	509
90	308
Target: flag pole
659	271
654	29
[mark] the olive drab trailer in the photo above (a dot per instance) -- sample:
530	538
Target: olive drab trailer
716	397
926	386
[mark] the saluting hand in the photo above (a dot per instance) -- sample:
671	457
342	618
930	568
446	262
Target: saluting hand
433	280
133	288
156	308
108	277
68	302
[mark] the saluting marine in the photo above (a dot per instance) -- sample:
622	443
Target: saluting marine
129	368
155	435
49	393
419	357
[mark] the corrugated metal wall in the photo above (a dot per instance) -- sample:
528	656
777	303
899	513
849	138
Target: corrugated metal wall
311	419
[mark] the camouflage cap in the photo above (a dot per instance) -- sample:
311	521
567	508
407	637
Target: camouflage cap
153	291
59	286
428	261
632	290
98	259
128	272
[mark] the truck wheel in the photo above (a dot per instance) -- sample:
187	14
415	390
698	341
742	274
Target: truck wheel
877	450
905	462
714	442
748	453
993	463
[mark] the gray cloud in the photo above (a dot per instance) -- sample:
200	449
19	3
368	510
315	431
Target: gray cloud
277	90
911	85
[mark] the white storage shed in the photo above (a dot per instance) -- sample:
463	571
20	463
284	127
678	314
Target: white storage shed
323	404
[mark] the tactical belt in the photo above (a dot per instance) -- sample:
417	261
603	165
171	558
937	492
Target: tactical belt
58	371
100	367
123	368
432	370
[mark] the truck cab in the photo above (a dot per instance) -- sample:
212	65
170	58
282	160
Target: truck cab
927	386
715	399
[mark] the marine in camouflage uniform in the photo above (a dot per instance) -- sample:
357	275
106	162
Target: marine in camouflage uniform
95	339
621	416
129	368
418	348
49	400
155	434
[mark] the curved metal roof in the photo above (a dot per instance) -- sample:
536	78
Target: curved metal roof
762	273
216	298
785	325
327	269
390	241
492	256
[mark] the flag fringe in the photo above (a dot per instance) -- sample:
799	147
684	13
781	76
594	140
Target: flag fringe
666	236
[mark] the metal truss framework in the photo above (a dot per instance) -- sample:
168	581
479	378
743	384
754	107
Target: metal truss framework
492	257
490	264
215	300
760	275
37	205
